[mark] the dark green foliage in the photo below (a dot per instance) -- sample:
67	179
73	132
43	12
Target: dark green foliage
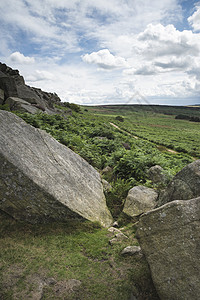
116	197
120	118
72	106
189	118
95	138
4	107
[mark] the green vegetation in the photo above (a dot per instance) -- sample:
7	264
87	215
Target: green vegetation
122	142
31	254
99	140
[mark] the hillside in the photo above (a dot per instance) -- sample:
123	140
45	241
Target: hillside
69	257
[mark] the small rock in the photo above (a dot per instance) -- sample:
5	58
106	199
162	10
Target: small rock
131	250
106	186
114	230
50	281
120	236
115	224
113	241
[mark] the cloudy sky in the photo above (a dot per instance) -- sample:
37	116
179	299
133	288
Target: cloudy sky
100	51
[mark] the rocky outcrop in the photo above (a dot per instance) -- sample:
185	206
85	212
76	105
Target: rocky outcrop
42	180
13	85
170	240
184	186
18	104
140	199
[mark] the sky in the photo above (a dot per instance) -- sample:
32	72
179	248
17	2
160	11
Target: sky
105	52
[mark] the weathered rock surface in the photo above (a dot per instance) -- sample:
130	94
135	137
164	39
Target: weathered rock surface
41	180
140	199
1	96
131	250
156	175
170	240
106	186
184	186
13	85
21	105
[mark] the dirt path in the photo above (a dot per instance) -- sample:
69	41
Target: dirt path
136	137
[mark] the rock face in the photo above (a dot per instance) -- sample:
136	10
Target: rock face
156	175
12	84
21	105
184	186
42	180
140	199
170	240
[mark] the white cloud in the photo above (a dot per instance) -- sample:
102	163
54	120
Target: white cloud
194	20
146	53
105	60
158	40
40	75
18	57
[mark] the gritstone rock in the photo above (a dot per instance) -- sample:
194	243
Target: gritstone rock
42	180
184	186
140	199
156	175
170	240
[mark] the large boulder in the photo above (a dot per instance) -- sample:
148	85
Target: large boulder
42	180
140	199
184	186
21	105
170	240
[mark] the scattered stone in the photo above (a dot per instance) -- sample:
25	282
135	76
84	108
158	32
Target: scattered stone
42	180
156	175
140	199
106	186
170	237
131	250
107	170
114	230
184	186
115	224
126	146
50	281
121	237
118	238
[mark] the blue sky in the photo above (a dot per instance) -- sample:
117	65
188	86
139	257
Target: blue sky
116	51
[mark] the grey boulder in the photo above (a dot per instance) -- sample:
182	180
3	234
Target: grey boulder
42	180
140	199
156	175
184	186
169	237
21	105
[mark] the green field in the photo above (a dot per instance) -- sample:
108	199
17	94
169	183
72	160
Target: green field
158	124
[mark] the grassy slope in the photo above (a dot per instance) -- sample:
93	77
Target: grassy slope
158	124
31	255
